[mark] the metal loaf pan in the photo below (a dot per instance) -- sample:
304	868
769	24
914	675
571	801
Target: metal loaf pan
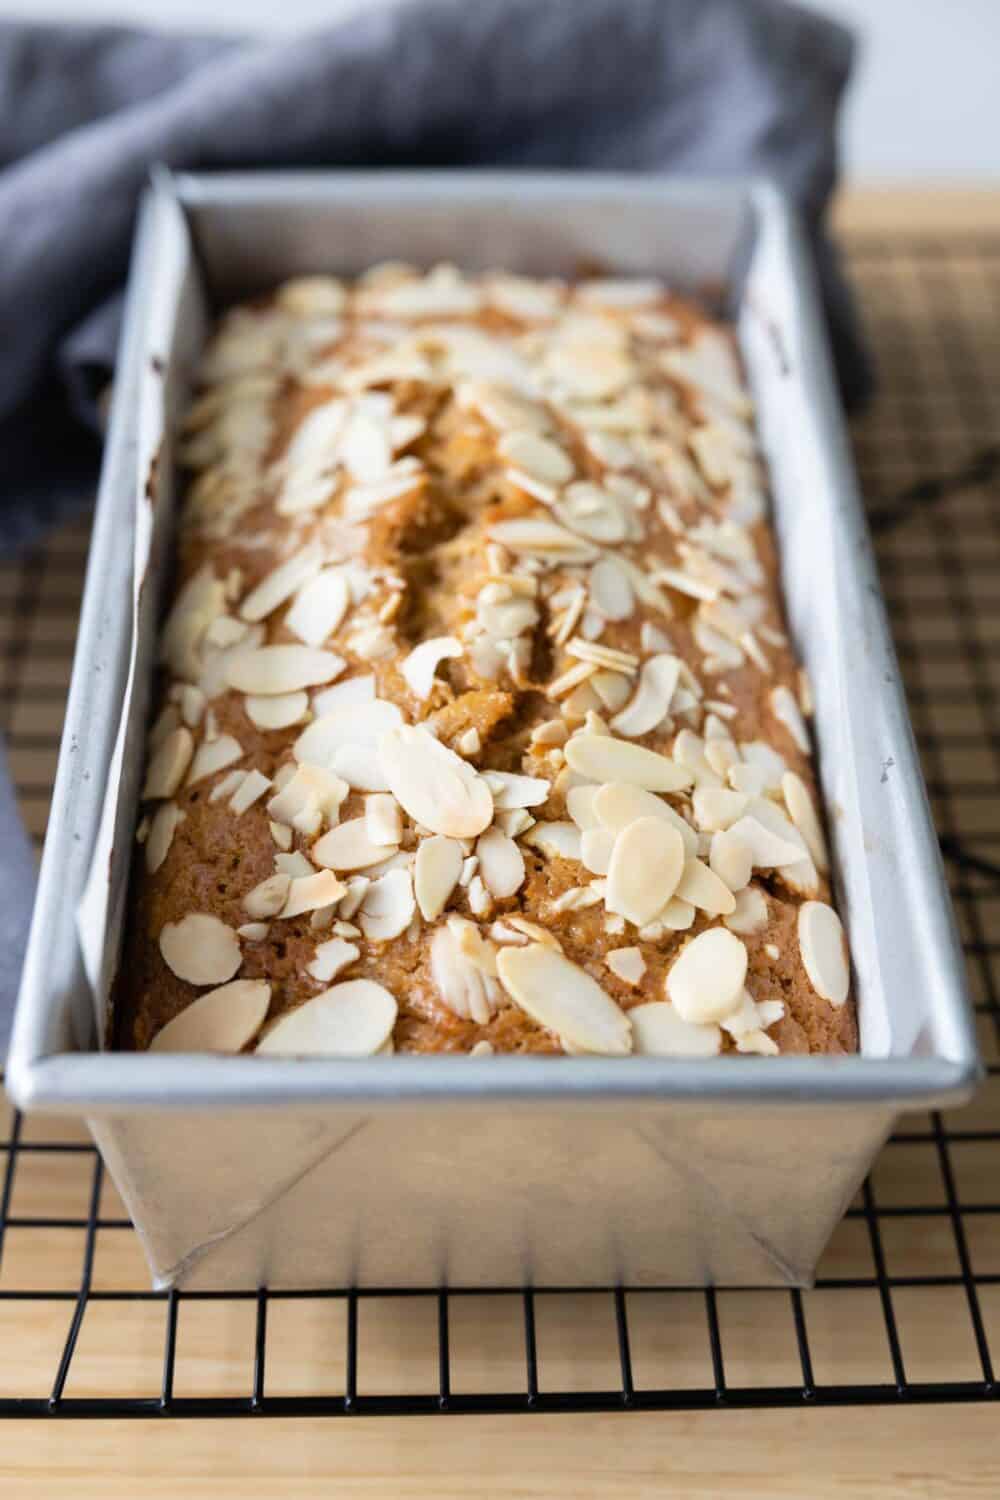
406	1171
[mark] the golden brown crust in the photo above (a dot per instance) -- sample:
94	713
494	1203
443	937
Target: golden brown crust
684	513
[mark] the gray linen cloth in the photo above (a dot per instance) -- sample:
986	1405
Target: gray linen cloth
680	86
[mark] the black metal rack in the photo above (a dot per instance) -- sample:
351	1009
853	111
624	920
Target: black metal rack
916	1265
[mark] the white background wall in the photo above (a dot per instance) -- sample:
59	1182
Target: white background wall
925	103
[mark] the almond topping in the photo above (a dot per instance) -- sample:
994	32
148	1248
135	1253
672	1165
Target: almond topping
383	819
436	870
319	607
168	765
627	964
420	666
788	713
704	889
269	670
332	958
706	981
731	860
267	899
646	863
354	725
768	850
617	805
538	457
223	1020
511	791
200	949
251	788
717	807
750	914
599	757
596	845
436	787
280	584
352	1019
214	755
651	704
388	906
310	892
161	834
277	712
559	995
824	951
461	975
659	1031
556	840
501	863
803	814
348	847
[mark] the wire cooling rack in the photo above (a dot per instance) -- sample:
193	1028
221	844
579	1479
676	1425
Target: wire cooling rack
907	1304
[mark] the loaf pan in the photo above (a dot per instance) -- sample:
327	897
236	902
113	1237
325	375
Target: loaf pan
425	1171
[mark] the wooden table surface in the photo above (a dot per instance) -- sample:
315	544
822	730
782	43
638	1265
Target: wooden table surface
906	1453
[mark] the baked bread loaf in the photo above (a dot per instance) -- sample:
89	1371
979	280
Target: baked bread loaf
479	728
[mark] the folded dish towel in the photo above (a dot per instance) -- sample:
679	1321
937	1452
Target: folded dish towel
680	86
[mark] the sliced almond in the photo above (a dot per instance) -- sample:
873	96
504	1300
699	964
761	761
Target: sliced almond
537	536
319	607
250	790
348	847
435	874
348	694
281	583
646	864
352	1019
559	995
802	812
312	296
436	787
223	1020
277	712
717	807
751	914
306	796
192	703
538	457
294	865
169	763
627	964
617	805
501	863
706	981
388	906
281	834
354	725
596	846
788	713
824	951
311	892
254	932
511	791
599	757
332	958
659	1031
214	755
161	834
269	670
580	806
613	688
556	840
465	983
383	819
267	898
657	681
731	860
421	664
705	890
768	850
200	949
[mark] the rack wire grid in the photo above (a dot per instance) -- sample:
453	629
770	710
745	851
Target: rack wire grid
906	1307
